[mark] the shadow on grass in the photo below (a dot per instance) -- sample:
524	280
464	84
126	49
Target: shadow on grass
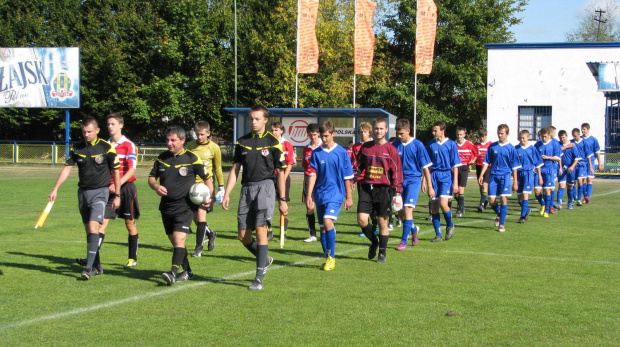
166	248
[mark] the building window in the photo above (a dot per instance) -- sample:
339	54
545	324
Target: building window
534	118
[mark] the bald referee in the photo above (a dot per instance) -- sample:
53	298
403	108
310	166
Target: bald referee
260	154
96	160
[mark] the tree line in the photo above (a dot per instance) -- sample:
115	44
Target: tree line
172	62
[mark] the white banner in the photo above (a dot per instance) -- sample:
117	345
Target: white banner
40	77
296	129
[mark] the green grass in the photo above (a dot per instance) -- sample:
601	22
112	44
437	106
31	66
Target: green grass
551	282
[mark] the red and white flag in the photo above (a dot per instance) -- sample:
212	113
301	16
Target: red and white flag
307	44
425	36
364	37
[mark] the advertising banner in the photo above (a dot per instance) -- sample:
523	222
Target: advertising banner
364	38
40	77
308	46
425	36
295	129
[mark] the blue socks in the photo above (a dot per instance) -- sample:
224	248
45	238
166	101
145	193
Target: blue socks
407	227
330	241
436	223
525	206
588	191
448	217
560	195
324	243
503	212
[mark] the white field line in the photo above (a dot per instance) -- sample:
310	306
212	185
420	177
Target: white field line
272	268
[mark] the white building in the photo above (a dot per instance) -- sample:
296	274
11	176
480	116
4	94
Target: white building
531	86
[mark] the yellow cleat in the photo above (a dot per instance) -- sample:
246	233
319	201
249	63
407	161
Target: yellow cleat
542	210
546	215
330	264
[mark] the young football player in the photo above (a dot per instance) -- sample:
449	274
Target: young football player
551	156
528	175
570	159
581	174
482	145
592	149
468	153
315	142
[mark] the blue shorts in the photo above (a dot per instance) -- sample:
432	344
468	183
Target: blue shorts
580	171
549	177
329	211
411	190
499	185
442	183
567	177
525	181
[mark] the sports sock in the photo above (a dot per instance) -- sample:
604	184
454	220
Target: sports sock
588	192
92	245
324	243
261	261
548	203
133	241
525	207
185	263
383	241
178	255
407	227
252	247
502	214
369	231
540	198
496	208
97	257
208	232
311	224
448	217
580	192
552	197
330	236
201	231
461	204
560	195
436	224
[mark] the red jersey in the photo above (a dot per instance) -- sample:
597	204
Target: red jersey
482	151
289	153
467	152
307	154
351	154
382	165
126	154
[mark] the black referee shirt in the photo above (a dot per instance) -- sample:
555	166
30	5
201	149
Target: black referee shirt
178	174
259	155
95	161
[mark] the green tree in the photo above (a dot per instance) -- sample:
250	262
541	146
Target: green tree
455	91
593	26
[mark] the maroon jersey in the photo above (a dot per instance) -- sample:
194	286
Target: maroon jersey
357	147
382	165
467	152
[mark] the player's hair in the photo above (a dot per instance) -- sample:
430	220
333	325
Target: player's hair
202	126
278	125
392	139
326	126
312	128
379	120
262	109
551	127
90	121
576	130
116	116
524	132
364	126
543	131
440	124
403	123
176	130
503	126
482	132
562	133
586	125
461	129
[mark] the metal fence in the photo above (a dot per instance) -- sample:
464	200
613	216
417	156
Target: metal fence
15	152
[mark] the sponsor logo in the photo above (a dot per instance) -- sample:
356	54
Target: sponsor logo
298	131
99	159
183	171
264	152
375	169
61	86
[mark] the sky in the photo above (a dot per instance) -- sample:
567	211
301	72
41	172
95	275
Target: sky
549	20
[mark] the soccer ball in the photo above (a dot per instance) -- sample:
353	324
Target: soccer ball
199	194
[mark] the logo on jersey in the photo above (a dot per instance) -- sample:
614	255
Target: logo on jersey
99	159
183	171
264	152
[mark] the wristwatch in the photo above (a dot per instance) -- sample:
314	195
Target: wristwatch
117	195
285	199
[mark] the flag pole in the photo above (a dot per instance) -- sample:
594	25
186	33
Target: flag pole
415	105
297	58
354	40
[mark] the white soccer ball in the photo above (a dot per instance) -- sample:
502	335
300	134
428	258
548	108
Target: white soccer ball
199	194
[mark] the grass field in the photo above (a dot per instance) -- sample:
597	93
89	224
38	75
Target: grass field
549	282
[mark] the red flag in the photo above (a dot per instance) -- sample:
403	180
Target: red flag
425	36
307	44
364	37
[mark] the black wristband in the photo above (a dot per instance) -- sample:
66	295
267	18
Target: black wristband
117	195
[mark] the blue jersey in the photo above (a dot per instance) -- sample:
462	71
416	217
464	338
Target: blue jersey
528	157
414	158
332	167
591	146
444	156
502	158
549	149
580	148
569	155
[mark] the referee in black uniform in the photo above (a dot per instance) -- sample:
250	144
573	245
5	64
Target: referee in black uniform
176	170
259	153
95	159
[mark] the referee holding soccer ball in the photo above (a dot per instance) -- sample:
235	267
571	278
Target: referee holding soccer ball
176	170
